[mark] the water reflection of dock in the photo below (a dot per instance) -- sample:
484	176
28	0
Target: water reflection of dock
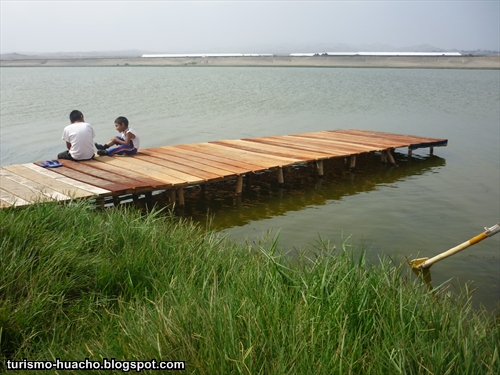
174	168
265	199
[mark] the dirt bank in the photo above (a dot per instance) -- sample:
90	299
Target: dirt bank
446	62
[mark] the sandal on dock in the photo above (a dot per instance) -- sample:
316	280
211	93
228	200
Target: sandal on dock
51	164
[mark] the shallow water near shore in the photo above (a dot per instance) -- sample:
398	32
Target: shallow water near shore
423	207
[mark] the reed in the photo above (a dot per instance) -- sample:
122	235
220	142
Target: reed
76	283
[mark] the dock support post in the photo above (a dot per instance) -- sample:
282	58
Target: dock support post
180	193
391	158
319	166
239	184
383	156
100	202
281	179
353	162
172	196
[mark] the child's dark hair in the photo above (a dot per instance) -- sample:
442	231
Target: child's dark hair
122	120
75	115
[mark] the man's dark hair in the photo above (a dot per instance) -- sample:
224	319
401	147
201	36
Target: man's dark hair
122	120
75	115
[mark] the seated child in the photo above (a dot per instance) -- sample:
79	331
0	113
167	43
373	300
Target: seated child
79	137
126	143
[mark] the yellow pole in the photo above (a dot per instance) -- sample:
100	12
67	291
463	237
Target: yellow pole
422	263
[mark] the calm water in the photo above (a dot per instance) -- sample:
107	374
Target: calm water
424	207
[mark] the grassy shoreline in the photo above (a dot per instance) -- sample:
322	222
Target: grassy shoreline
77	283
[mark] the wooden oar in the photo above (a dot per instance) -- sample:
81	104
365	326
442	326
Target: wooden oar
421	263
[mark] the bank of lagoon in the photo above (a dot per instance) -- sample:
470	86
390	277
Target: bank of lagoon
79	282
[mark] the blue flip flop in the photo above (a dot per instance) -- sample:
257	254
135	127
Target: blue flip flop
50	164
54	164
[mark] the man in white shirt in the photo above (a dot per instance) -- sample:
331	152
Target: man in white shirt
79	137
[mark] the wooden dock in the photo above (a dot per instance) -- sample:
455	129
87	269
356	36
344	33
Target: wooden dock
173	168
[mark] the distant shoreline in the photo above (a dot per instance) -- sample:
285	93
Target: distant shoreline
431	62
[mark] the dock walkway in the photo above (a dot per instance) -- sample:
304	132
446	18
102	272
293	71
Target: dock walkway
173	168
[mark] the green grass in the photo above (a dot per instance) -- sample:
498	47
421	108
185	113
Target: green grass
77	283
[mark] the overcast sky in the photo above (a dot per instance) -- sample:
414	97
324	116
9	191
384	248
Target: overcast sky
242	26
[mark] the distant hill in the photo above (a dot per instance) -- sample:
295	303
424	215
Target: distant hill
72	55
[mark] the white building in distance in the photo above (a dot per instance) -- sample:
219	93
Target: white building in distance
378	54
174	55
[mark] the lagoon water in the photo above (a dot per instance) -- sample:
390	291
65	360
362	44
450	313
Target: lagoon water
425	206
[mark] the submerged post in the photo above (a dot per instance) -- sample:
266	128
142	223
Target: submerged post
391	158
180	193
172	196
281	179
239	184
353	162
383	156
319	166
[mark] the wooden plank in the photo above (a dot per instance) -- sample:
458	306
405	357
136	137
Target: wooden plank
399	140
390	142
27	190
198	151
164	162
328	148
164	179
349	140
199	163
261	148
99	182
396	138
11	199
269	160
105	175
186	177
413	142
4	204
289	144
144	168
388	135
264	161
241	160
34	186
68	181
47	181
337	144
157	184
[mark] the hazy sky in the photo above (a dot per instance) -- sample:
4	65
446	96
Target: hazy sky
243	26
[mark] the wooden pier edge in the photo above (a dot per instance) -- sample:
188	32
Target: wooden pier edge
173	168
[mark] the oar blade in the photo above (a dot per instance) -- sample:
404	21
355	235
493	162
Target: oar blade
416	263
